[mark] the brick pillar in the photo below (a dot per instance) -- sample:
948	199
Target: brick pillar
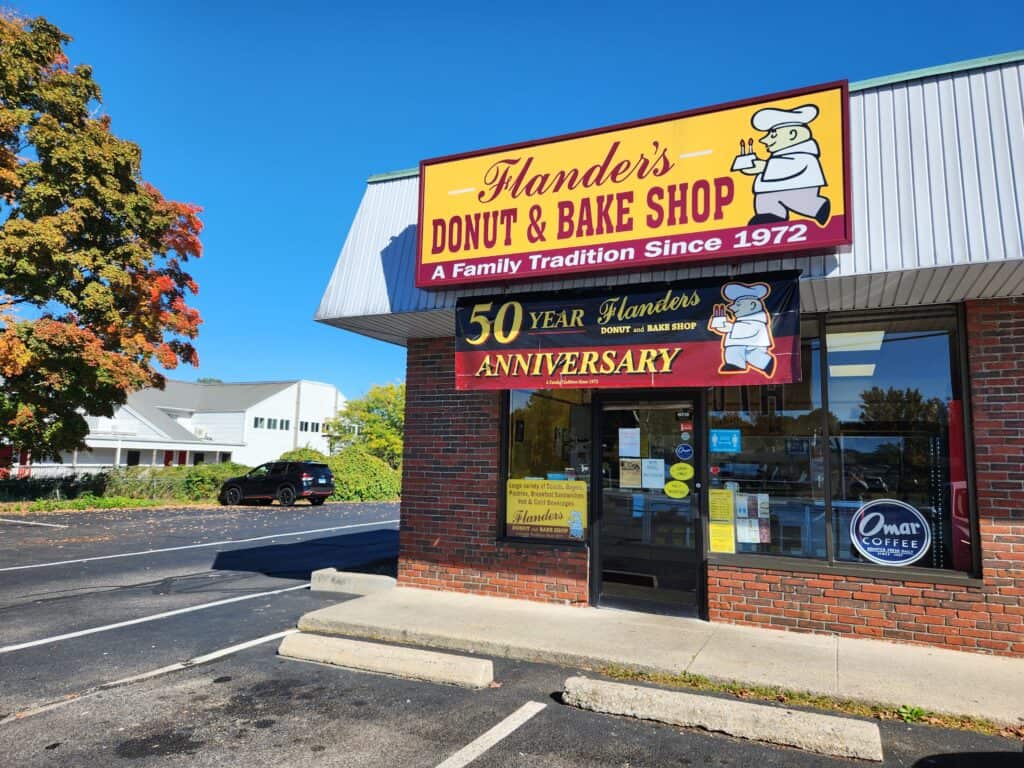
995	348
451	476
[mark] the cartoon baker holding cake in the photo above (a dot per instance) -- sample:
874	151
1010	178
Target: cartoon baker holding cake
791	178
745	327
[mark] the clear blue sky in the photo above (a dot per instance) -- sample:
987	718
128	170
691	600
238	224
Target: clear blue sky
272	115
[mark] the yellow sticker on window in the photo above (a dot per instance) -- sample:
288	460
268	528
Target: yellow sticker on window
681	471
676	489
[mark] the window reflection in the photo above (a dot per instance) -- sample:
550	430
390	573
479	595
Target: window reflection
892	398
777	477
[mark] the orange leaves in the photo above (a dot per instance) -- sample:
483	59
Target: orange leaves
167	356
14	355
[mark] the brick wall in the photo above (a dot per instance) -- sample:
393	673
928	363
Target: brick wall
988	617
450	482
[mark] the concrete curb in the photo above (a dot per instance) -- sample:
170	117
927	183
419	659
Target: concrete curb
389	660
310	622
349	582
823	734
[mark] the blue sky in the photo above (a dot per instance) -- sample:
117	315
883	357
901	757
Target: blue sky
272	115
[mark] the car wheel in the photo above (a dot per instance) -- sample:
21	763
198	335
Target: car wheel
286	495
317	501
233	496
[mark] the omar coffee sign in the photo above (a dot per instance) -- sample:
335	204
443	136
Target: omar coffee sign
890	532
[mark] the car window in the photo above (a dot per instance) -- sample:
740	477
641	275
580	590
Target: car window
261	471
278	467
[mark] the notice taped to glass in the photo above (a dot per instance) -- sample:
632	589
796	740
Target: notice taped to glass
546	509
700	333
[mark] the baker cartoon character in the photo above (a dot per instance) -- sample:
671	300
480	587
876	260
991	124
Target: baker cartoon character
745	326
791	178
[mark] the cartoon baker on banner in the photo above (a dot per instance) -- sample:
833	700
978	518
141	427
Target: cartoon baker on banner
745	326
791	178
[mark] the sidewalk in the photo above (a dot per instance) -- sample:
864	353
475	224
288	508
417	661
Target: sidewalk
939	680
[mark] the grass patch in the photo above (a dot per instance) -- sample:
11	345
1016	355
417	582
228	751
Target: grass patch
87	501
905	712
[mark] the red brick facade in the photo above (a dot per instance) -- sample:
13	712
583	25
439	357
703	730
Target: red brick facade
450	486
449	517
988	617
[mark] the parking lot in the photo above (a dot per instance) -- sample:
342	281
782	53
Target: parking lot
120	595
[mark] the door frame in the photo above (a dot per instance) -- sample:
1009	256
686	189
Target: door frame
599	399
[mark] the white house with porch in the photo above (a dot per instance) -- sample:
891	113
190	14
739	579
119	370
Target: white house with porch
190	423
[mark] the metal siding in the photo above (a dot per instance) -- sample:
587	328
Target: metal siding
937	184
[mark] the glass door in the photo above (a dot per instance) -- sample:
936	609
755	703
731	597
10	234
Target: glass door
649	537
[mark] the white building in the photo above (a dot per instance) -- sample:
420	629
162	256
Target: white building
188	423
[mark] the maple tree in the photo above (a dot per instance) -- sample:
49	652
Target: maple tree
92	282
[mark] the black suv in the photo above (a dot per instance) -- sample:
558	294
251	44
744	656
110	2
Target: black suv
285	481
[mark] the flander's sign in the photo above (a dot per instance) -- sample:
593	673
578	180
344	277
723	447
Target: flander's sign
740	180
701	333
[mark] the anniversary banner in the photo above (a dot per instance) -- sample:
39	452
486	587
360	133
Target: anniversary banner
700	333
738	180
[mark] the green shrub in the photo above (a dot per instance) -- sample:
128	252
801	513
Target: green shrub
69	487
304	454
358	476
198	483
88	501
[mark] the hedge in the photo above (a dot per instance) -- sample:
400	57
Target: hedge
198	483
359	476
67	487
303	454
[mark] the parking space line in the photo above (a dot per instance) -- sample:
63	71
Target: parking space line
194	661
482	743
196	546
30	522
144	619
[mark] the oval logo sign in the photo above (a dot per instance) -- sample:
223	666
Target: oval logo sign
676	489
890	532
684	452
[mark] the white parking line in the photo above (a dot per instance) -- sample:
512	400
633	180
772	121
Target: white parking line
482	743
29	522
72	698
144	619
198	546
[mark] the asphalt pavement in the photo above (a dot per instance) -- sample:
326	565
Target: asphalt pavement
84	605
125	593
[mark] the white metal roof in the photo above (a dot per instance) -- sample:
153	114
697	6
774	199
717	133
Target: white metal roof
937	186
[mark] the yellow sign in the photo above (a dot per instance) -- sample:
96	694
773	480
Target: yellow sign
681	471
676	489
722	537
744	179
546	509
722	527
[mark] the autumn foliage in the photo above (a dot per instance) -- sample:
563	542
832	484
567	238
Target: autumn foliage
92	280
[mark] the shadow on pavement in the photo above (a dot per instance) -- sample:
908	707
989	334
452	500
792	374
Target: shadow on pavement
973	759
367	552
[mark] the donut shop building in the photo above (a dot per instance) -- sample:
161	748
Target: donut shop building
757	362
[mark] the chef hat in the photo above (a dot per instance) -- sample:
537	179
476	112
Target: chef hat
733	291
768	118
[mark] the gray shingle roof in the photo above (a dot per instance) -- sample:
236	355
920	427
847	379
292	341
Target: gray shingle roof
189	396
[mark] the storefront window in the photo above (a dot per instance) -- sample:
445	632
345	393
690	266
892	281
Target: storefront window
549	453
897	431
766	448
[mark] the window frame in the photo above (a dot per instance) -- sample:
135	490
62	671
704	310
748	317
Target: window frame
504	454
960	379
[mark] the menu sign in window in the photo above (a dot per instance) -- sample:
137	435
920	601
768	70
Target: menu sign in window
740	180
546	509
